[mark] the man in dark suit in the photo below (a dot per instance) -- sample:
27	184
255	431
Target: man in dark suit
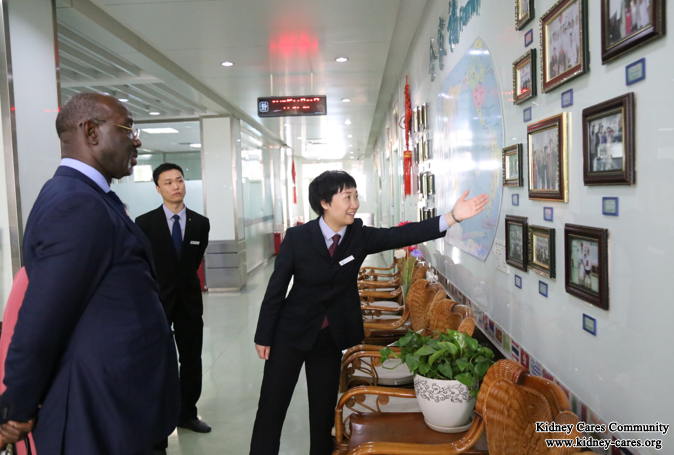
321	315
179	238
92	355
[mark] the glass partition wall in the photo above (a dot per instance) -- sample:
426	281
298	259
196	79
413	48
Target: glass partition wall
258	204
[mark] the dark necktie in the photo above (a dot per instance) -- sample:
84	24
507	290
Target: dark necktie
177	235
331	250
335	242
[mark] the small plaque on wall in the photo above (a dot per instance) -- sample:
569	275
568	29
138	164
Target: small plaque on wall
548	213
529	38
516	199
609	206
543	289
518	281
567	98
635	72
527	115
589	324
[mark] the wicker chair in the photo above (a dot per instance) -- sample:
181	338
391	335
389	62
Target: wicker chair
508	405
386	329
377	272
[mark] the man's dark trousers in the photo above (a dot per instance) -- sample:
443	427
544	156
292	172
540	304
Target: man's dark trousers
322	363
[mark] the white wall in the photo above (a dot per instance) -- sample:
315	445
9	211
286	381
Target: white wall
623	374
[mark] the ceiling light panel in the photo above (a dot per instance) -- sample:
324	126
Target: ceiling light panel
159	130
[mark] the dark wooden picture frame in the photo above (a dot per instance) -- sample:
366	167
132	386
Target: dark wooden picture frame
557	67
613	44
537	258
548	174
599	144
520	93
514	257
523	19
589	246
508	179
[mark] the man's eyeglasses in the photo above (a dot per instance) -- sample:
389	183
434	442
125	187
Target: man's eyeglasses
134	131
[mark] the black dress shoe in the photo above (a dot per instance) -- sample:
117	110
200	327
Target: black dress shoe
195	424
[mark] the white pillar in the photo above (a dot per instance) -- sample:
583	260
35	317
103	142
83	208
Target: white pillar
223	203
34	57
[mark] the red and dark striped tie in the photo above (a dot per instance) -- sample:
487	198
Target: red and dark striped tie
331	250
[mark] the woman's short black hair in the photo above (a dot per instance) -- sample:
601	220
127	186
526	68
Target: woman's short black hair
326	185
163	168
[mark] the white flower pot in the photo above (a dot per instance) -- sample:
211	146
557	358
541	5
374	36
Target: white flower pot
446	404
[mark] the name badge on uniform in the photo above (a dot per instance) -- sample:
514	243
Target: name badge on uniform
195	242
346	261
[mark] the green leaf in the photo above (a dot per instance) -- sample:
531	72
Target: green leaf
446	370
460	339
405	340
462	363
424	367
482	367
426	350
488	353
472	343
412	362
465	379
451	347
435	356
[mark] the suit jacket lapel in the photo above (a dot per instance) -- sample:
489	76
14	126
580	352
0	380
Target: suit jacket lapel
69	172
318	240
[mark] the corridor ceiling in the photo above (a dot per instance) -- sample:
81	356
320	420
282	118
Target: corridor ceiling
166	56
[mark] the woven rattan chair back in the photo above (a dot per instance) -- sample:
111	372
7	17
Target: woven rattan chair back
438	305
418	301
467	326
420	272
441	317
464	310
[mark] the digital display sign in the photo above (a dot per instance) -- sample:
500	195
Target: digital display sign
291	106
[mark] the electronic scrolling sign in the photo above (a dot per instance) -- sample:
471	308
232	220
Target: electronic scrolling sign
290	106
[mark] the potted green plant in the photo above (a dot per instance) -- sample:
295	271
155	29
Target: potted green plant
447	372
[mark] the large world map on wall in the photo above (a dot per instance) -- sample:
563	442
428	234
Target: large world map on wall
468	142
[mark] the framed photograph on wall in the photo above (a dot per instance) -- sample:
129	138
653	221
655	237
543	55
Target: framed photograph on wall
524	13
586	263
524	77
512	165
628	24
541	250
546	149
516	242
608	142
564	43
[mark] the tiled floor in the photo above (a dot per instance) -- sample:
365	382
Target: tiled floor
232	378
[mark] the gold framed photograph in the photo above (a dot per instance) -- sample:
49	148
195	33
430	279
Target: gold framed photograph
564	43
524	13
542	250
547	153
512	166
524	77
